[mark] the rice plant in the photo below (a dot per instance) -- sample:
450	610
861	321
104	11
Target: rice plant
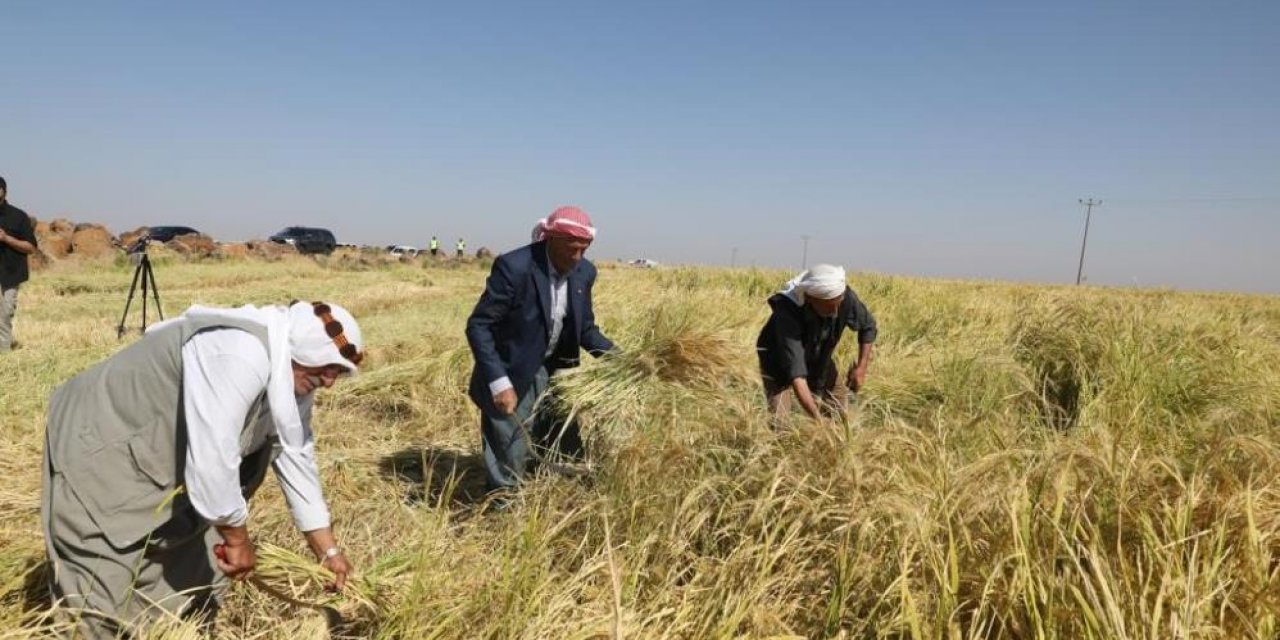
1026	462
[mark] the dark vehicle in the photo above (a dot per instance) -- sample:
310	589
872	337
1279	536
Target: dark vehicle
307	239
165	234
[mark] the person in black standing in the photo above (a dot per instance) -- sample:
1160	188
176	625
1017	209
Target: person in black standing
797	344
17	241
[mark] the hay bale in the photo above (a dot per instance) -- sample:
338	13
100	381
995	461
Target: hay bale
62	227
92	241
483	253
269	250
235	250
196	245
54	246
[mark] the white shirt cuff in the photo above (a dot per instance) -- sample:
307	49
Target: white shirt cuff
500	385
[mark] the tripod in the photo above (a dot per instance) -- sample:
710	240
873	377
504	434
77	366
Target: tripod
144	273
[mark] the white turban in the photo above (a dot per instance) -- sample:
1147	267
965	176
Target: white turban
311	346
823	281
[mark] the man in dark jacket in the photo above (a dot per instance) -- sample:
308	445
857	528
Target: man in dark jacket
17	241
797	344
534	317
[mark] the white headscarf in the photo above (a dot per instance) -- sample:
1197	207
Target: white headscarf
311	346
294	333
823	281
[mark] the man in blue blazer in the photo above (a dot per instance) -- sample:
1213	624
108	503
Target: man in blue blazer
532	320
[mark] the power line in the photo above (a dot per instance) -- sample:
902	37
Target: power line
1088	214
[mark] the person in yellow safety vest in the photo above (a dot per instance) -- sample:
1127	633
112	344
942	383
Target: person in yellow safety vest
462	247
435	245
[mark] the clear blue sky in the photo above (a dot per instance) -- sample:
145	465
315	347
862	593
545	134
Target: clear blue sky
934	138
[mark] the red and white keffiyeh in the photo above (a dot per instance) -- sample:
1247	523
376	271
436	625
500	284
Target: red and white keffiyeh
570	222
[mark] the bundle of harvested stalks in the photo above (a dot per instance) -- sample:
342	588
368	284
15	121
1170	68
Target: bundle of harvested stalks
302	582
664	359
676	347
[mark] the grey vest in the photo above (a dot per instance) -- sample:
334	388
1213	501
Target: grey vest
117	432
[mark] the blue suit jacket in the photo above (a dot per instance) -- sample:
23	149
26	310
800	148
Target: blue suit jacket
510	326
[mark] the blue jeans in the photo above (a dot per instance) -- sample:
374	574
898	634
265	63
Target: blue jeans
508	457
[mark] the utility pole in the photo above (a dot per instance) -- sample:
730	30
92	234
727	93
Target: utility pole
1088	214
733	260
804	259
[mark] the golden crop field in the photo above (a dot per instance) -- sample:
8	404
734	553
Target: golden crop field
1026	462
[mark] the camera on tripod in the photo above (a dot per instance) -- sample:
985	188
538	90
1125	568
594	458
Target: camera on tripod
142	273
138	246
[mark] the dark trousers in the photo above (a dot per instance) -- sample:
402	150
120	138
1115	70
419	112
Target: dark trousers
109	592
509	456
832	399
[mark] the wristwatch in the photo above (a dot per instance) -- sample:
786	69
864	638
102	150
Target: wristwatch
330	553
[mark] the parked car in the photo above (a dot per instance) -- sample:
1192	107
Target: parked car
644	263
165	234
307	239
399	250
